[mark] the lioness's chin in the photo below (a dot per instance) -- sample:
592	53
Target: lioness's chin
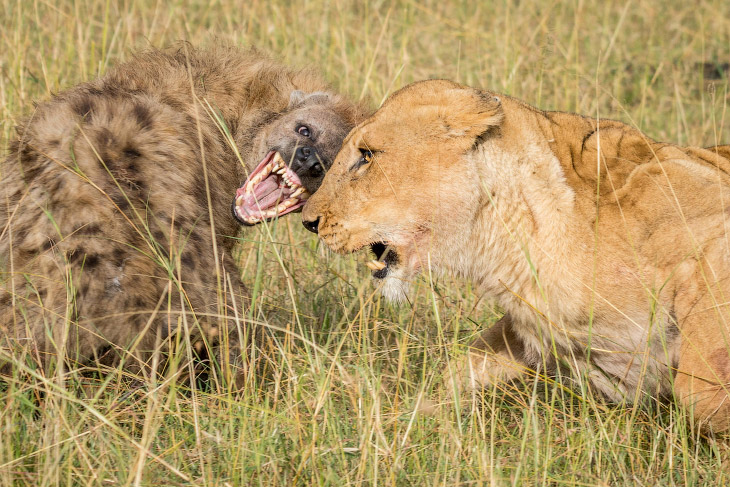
395	286
392	269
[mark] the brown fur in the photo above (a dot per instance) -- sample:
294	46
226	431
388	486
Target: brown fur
105	222
608	251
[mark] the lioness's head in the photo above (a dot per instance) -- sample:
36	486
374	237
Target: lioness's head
292	151
401	184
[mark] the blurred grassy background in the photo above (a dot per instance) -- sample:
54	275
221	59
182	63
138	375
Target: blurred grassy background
352	369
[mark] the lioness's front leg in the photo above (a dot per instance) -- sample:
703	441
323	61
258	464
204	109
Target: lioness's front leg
702	378
497	355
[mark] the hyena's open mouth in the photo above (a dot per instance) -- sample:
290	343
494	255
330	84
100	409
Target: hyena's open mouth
271	190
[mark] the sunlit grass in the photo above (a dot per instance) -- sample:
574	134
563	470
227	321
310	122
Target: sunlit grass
348	372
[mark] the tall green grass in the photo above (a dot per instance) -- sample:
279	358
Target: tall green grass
350	372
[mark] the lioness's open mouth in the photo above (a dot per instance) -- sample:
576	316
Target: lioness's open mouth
271	190
385	258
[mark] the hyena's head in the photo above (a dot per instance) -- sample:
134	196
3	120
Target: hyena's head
297	145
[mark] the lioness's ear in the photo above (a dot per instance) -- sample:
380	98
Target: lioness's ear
468	113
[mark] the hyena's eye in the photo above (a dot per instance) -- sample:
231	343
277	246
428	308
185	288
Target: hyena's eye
303	130
366	157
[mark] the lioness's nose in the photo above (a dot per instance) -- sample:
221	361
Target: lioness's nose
312	226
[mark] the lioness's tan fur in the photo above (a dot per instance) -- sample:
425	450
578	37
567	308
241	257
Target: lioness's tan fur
608	251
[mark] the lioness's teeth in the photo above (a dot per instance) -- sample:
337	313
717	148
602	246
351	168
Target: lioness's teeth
375	265
239	200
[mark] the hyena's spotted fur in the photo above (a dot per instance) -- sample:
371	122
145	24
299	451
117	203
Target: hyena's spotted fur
105	223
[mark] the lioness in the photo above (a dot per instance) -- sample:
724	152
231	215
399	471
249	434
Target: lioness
608	251
115	200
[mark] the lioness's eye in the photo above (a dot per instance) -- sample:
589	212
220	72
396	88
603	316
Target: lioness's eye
303	130
365	158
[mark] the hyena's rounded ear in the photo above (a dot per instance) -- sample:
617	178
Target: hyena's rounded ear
297	97
468	113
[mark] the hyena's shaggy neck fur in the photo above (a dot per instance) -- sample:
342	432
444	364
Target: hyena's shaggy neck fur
247	89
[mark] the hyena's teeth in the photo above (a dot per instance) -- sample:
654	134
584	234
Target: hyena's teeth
266	170
375	265
297	192
239	200
278	160
304	196
284	205
250	186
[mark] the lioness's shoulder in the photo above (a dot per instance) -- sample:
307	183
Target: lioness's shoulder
591	151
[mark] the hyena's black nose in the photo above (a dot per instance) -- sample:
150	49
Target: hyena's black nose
303	153
306	162
312	226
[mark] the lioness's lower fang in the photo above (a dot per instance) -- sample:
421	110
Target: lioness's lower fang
375	265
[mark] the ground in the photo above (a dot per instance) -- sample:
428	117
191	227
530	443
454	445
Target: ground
352	369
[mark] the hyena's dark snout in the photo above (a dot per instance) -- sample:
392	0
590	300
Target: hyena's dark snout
307	163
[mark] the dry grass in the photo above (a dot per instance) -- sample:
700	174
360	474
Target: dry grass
351	370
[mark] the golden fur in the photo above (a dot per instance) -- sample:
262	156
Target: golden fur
107	229
608	251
